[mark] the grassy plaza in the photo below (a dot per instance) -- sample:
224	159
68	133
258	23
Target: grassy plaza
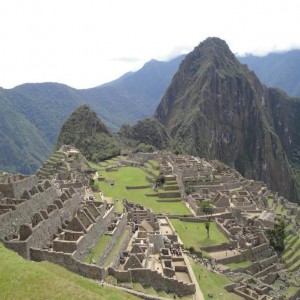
134	176
194	234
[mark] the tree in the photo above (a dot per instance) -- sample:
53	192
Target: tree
207	225
160	180
276	235
189	189
207	207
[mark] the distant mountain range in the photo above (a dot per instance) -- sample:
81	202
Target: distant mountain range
280	70
32	114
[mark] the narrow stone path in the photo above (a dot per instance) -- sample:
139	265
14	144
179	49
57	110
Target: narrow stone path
135	293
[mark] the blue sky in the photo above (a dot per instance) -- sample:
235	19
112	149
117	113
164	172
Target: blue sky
84	43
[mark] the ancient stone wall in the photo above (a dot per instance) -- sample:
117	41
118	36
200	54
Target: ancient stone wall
75	185
137	187
264	272
261	250
169	195
233	185
16	184
26	183
116	260
68	262
253	268
42	232
20	247
146	277
144	157
269	278
223	230
11	221
90	239
118	231
244	255
221	247
265	263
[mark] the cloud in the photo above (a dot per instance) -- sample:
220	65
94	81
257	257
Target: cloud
176	51
126	59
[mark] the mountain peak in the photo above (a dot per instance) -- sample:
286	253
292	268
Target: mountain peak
219	110
84	130
211	53
83	122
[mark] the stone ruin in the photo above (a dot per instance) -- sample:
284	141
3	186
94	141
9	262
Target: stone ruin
48	220
51	219
154	253
241	210
66	165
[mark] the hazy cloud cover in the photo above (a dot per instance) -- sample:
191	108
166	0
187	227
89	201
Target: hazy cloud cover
86	43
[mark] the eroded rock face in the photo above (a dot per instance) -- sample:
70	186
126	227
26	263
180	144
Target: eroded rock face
220	110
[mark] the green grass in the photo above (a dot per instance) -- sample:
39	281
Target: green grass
291	291
270	202
98	249
194	234
211	282
154	162
150	168
279	209
133	176
23	279
117	247
119	206
243	264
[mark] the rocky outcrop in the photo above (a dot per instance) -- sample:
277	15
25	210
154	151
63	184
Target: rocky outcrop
218	109
84	130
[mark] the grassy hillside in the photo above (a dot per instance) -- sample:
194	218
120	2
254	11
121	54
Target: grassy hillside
22	279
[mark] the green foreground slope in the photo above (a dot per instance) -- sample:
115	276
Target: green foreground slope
22	279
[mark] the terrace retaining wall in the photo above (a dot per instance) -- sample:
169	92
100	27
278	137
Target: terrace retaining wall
69	262
147	277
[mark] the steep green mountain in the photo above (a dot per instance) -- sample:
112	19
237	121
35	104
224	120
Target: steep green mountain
88	133
145	133
22	146
218	109
32	114
279	70
45	105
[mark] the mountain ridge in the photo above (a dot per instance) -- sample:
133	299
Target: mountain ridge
278	70
43	107
219	109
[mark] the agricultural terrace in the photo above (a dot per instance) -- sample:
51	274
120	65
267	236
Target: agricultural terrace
195	235
134	176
